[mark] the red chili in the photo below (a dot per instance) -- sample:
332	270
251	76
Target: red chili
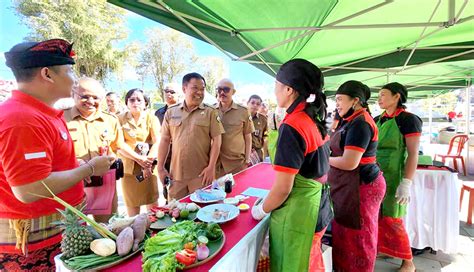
186	256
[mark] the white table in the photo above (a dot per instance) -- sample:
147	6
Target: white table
432	218
247	249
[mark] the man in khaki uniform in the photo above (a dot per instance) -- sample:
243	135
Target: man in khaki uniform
195	130
95	132
238	126
114	106
260	123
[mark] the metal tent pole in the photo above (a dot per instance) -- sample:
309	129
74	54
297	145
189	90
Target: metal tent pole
432	77
421	35
468	121
430	116
427	63
191	26
312	31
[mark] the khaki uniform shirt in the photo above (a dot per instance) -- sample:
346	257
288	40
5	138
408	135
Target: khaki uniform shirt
89	134
191	134
261	130
137	132
237	123
120	111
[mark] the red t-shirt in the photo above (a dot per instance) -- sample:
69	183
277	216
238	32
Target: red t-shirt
34	141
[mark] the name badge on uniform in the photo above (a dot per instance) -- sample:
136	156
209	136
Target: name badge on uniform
63	135
104	134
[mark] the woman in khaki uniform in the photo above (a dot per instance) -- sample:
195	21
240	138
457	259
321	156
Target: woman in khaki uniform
140	130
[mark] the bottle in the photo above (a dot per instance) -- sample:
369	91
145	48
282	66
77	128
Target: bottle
228	186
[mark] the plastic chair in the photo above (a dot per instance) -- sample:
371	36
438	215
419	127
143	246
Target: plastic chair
461	140
469	187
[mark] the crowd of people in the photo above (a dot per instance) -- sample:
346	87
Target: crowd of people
354	176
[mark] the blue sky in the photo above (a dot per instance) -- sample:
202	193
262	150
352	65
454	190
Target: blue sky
247	78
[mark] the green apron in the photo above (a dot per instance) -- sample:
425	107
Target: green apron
391	156
292	226
272	143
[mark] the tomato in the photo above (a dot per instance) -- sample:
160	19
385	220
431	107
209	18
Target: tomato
189	245
186	256
152	218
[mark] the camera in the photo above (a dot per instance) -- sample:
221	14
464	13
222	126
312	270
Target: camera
99	181
118	166
140	176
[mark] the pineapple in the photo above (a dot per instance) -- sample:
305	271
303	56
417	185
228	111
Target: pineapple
76	238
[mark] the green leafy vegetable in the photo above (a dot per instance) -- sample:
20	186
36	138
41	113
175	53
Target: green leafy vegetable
213	231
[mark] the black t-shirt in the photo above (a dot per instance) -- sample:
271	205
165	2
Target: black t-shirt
300	147
361	134
160	113
408	123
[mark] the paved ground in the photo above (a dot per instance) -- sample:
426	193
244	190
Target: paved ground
462	261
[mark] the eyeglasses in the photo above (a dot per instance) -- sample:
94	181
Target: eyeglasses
223	89
135	99
170	91
85	98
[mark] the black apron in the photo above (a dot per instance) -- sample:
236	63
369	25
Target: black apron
344	188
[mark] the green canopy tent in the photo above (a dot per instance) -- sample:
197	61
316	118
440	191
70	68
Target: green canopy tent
428	45
425	44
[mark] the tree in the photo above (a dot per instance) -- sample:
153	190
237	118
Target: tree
93	25
212	69
442	104
166	55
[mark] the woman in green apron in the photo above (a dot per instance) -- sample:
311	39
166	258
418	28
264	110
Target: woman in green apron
301	165
397	154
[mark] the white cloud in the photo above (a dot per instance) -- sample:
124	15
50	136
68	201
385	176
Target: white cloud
129	73
245	90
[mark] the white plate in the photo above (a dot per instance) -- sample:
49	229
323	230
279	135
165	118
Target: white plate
206	214
231	200
220	195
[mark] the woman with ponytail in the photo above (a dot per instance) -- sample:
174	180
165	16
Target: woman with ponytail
301	164
357	184
397	154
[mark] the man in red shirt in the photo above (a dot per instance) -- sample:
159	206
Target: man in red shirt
451	116
36	148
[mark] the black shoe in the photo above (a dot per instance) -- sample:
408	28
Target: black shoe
416	251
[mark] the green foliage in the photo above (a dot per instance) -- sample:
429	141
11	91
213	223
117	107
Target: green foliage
443	103
212	69
93	25
166	55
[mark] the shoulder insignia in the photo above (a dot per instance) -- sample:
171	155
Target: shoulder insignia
174	106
